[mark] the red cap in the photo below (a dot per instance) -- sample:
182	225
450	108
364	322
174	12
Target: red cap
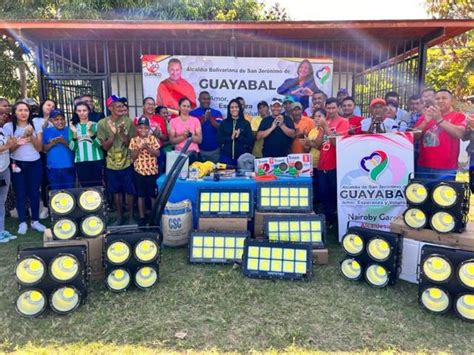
378	101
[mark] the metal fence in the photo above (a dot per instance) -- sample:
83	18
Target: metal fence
74	67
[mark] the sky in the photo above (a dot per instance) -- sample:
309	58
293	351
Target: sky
323	10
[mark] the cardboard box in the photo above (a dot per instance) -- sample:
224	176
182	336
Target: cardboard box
271	166
464	240
218	224
320	256
300	164
258	229
95	251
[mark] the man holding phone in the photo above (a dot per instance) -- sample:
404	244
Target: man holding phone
277	132
210	121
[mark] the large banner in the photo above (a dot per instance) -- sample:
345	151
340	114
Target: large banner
372	172
168	78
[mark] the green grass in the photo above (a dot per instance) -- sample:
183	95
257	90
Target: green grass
217	309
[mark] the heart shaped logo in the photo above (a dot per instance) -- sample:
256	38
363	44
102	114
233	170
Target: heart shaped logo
375	164
323	74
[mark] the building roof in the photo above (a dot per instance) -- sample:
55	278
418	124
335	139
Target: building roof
432	31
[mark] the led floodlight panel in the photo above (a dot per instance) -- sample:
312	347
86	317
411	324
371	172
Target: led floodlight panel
263	259
284	197
216	247
225	202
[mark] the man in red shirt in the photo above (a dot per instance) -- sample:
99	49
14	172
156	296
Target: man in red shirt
326	178
348	105
174	88
441	130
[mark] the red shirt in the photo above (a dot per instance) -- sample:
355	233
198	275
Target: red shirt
157	121
327	159
355	124
438	149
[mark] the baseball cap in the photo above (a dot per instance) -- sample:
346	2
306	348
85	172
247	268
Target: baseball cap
295	105
111	99
55	113
342	91
276	100
143	121
378	101
288	99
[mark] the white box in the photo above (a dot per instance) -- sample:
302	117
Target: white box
171	158
411	254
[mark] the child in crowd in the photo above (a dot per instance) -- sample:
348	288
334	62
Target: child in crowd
144	150
60	163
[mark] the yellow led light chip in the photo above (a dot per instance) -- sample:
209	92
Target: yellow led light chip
304	225
277	253
234	197
265	253
315	225
294	226
219	253
214	197
252	264
300	268
205	197
293	191
197	241
289	254
244	197
205	207
225	197
294	202
219	242
230	253
240	242
303	192
229	242
276	266
253	252
300	255
284	202
214	206
288	266
265	201
197	252
208	252
264	265
234	207
265	191
272	226
244	207
208	241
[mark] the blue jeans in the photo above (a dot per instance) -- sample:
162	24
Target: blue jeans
326	191
5	176
64	178
27	185
435	174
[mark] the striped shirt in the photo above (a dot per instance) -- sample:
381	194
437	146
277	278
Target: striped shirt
85	147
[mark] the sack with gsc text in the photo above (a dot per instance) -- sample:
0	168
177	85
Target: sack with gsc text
176	223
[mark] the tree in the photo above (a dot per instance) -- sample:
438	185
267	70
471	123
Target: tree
17	65
451	65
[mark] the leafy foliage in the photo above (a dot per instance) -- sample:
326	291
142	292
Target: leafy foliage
12	60
451	65
188	10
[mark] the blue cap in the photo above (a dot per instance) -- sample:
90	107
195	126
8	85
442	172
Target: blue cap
55	113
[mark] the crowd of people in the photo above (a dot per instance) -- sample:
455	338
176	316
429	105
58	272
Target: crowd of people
44	150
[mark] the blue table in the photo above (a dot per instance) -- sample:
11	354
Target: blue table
188	189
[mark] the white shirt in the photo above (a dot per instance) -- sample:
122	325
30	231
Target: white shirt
389	125
25	152
4	156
